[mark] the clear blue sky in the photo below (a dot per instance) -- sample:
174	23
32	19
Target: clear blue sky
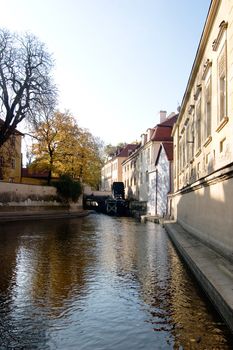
118	62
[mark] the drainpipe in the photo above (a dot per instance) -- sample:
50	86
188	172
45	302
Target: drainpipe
156	190
170	185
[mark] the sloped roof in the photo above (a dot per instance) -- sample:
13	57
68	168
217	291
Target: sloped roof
168	148
162	131
17	132
127	150
25	172
170	121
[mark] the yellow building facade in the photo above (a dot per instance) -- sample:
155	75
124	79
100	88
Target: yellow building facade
202	135
11	159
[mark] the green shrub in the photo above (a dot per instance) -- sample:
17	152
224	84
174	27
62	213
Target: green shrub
68	189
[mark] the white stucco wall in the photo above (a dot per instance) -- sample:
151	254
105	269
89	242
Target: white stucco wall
151	204
157	195
163	183
208	214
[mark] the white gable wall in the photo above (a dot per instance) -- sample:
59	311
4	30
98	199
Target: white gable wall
159	186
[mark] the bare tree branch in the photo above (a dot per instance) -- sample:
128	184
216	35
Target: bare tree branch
26	85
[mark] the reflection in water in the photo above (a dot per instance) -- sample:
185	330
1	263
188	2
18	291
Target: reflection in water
100	283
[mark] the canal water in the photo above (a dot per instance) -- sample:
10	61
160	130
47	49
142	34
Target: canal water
100	283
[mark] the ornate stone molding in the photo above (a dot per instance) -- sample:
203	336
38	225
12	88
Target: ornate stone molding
207	141
216	176
206	67
191	108
197	92
186	121
198	152
223	122
222	28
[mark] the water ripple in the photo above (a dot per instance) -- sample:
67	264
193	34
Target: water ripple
100	283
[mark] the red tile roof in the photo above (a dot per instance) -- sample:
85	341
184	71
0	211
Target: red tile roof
25	172
127	150
170	121
162	131
168	148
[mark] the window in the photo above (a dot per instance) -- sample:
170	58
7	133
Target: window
174	163
222	145
180	156
208	107
12	163
134	180
222	93
198	124
148	155
188	142
183	153
12	140
192	138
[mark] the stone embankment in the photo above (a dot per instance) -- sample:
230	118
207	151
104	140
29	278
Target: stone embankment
31	202
39	215
213	272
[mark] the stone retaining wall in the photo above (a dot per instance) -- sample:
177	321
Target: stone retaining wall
15	196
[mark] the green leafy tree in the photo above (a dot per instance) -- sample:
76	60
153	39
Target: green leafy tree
68	189
111	150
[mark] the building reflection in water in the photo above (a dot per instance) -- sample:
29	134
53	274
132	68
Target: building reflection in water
114	276
174	303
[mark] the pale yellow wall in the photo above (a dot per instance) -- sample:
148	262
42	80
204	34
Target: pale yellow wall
209	156
202	201
208	213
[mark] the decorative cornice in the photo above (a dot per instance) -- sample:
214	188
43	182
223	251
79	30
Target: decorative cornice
223	122
191	161
213	9
197	93
222	27
217	176
182	131
207	141
206	67
190	109
186	121
198	152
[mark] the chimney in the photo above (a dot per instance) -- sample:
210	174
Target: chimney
149	133
163	116
143	139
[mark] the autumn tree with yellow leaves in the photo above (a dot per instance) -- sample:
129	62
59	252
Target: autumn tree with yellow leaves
62	147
